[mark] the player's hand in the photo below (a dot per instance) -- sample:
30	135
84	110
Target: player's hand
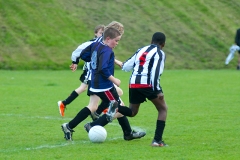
119	63
117	82
73	67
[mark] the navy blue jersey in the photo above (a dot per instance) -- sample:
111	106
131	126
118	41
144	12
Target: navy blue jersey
101	58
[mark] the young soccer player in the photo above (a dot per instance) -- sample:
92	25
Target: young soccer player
235	47
85	76
147	65
102	80
98	31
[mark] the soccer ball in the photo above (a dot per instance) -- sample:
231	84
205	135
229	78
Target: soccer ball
97	134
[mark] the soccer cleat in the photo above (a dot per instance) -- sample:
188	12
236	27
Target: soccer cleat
87	127
67	131
105	111
94	116
158	144
134	135
61	108
112	110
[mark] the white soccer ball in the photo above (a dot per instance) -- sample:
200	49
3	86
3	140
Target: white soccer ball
97	134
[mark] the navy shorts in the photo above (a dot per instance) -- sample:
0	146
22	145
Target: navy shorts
139	95
106	96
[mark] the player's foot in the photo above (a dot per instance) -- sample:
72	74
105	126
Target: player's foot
87	127
94	116
158	144
61	108
67	131
112	110
134	135
105	111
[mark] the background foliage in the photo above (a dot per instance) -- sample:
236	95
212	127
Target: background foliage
42	34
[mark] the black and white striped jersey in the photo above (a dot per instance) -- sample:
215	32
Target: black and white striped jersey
76	54
147	65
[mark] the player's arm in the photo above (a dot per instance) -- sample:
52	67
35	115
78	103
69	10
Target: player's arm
114	80
129	64
104	59
77	53
119	63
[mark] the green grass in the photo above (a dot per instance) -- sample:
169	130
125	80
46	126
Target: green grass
203	118
42	34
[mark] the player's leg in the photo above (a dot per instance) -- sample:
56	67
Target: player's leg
82	115
119	90
129	134
103	108
62	104
238	66
161	107
84	79
230	56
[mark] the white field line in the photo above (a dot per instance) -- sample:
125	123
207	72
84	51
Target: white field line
57	145
47	146
60	118
33	117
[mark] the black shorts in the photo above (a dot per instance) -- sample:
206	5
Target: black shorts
84	76
139	95
107	96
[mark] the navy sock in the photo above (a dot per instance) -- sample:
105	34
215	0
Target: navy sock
124	123
125	111
102	121
72	96
101	107
159	130
82	115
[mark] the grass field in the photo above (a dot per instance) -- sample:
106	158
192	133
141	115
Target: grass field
203	118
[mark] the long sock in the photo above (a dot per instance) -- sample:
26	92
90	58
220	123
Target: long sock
82	115
72	96
124	123
103	105
102	121
159	130
125	111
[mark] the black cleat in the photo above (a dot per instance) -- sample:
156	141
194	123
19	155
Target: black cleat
134	135
67	131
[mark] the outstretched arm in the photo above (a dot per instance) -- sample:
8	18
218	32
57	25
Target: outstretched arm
119	63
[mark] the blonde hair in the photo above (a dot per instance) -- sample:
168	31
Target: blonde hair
99	27
111	33
118	26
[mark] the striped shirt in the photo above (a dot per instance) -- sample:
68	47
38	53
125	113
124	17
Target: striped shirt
77	53
147	65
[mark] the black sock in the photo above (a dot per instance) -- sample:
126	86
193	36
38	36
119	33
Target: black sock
72	96
125	111
159	130
124	123
102	121
82	115
101	107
